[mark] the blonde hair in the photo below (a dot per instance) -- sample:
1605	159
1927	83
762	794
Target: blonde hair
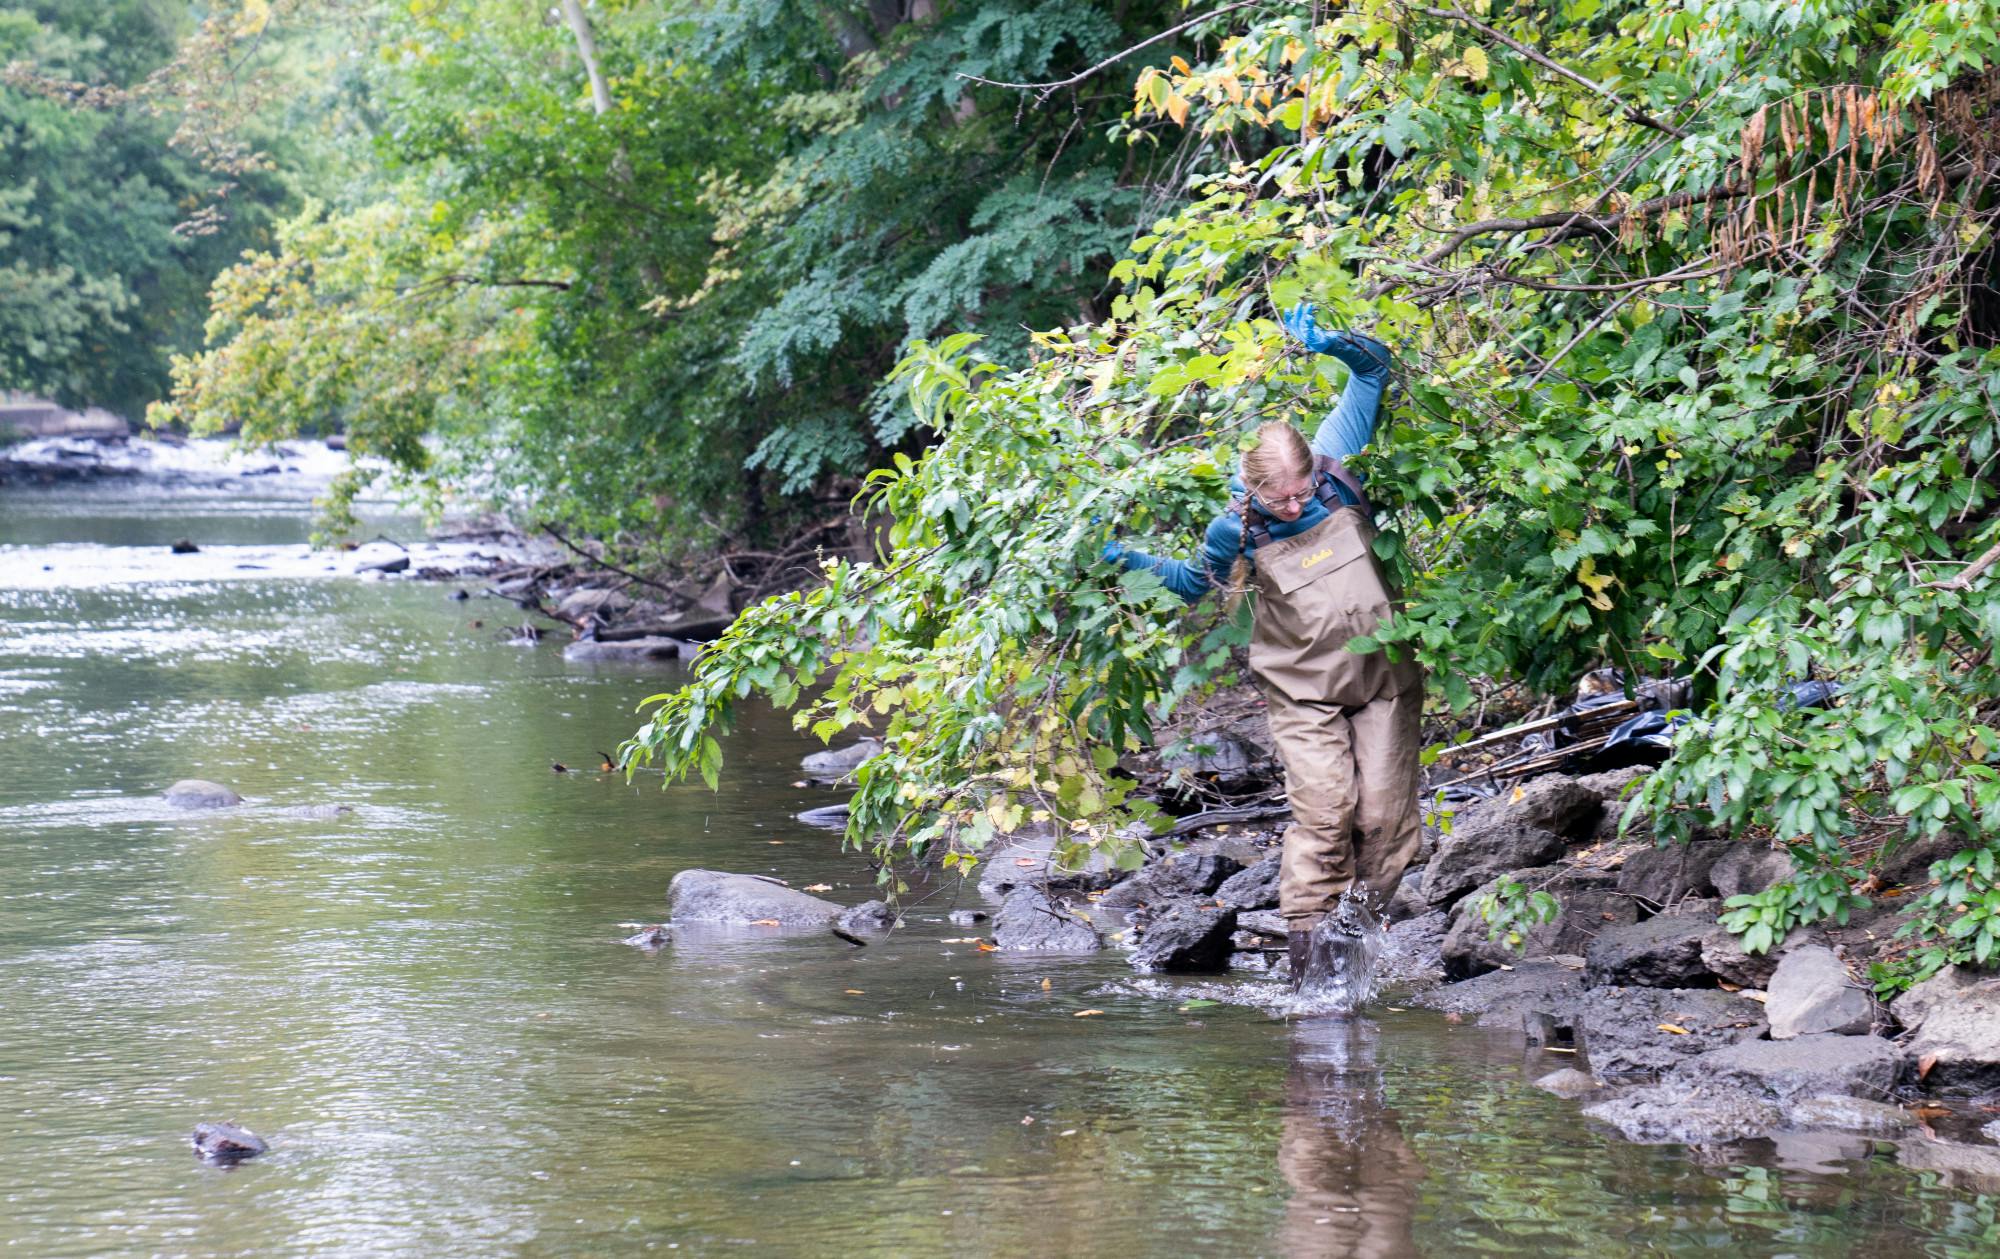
1279	454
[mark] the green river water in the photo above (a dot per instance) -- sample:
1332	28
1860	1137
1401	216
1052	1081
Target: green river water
424	1005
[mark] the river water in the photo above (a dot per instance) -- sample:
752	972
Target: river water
423	1003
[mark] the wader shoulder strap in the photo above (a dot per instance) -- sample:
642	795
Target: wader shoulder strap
1257	526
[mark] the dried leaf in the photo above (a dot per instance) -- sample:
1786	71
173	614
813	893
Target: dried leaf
819	887
987	946
1675	1028
1045	985
1024	862
766	922
855	992
1726	986
1084	1014
1924	1065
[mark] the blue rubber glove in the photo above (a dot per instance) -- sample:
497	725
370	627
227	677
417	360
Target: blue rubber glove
1113	552
1299	322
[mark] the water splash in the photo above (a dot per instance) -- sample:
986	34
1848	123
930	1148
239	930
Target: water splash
1343	959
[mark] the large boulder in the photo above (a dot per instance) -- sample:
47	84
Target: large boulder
1687	1114
1477	851
1029	921
1723	956
1552	802
1644	1031
1745	868
1187	936
1811	992
1957	1040
1825	1064
1664	875
1587	903
835	764
1253	887
744	899
1194	871
199	793
1660	952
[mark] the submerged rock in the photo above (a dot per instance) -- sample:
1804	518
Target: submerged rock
657	936
829	817
1850	1114
1822	1065
1686	1114
1568	1082
1812	992
199	793
744	899
1973	1167
1645	1031
1029	921
868	918
1188	936
225	1143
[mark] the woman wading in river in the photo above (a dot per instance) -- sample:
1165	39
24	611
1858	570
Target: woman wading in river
1346	723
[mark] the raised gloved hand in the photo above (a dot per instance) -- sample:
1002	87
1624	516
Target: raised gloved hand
1299	322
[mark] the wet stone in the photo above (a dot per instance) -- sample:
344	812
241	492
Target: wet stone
1850	1114
1568	1082
1822	1065
199	793
744	899
1029	921
1644	1031
1187	936
225	1143
1685	1114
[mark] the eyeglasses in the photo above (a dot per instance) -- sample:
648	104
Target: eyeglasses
1289	500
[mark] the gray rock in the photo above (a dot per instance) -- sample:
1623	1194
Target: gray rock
1587	904
1024	858
1190	872
585	602
837	763
1188	936
967	917
1850	1114
1408	901
1624	1031
1685	1114
828	817
1908	863
1991	1131
1970	1167
1745	868
1499	998
1822	1065
717	896
1029	921
1254	887
1662	876
1723	956
1552	802
1959	1036
1661	952
1411	954
1913	1005
1610	785
629	651
657	936
868	918
225	1143
1216	752
1476	852
1811	992
1568	1082
199	793
1266	922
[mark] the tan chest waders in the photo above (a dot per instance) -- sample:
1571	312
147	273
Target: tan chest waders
1346	723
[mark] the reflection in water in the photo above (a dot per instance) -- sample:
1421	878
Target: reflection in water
1353	1176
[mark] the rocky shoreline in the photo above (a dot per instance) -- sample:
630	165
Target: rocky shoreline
1676	1033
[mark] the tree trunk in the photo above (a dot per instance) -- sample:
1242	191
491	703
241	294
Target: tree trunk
586	47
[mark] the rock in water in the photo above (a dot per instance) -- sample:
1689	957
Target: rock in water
199	793
1811	992
629	651
1825	1064
1029	921
868	918
744	899
184	546
1686	1114
1642	1031
836	763
225	1143
1188	936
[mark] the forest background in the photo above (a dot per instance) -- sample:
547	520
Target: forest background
1695	307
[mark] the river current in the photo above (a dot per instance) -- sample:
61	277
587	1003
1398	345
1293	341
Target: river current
400	962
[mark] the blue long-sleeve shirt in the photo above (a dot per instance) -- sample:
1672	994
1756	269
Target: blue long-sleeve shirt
1345	432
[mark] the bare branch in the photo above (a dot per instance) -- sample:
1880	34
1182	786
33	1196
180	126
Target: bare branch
1633	112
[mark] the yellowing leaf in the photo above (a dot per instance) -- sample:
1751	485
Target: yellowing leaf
1177	108
1475	62
1675	1028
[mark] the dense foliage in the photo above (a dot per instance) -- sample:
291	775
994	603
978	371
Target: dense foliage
1695	312
101	273
641	268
